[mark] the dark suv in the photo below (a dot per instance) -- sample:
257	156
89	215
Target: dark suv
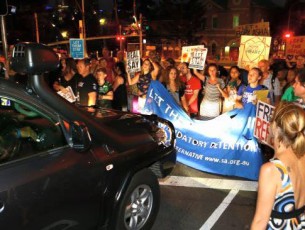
62	167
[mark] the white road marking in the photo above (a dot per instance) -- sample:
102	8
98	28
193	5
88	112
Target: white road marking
219	210
198	182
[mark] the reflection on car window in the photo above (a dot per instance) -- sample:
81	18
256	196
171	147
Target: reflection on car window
25	132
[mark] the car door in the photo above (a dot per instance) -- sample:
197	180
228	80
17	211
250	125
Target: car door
44	183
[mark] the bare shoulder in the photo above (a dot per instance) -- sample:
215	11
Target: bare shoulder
269	170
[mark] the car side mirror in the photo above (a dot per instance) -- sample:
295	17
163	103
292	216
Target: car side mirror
80	136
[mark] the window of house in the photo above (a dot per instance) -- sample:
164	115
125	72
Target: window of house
204	23
235	20
215	22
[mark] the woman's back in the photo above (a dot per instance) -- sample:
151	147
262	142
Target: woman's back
297	176
286	212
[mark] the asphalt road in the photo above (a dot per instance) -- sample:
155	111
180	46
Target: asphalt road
191	199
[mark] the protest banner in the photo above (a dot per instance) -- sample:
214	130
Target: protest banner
187	52
262	130
256	29
253	49
224	145
197	59
133	61
295	46
68	94
77	50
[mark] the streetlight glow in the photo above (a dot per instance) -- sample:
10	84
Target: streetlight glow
102	21
64	34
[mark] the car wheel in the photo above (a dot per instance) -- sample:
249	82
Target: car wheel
140	203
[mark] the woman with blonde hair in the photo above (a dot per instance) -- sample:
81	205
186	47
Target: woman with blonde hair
281	186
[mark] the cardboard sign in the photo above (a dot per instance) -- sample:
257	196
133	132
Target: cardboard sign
197	60
187	52
77	50
68	94
262	130
253	49
133	61
295	46
261	95
256	29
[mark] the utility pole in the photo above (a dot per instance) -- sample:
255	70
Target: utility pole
139	26
121	38
84	26
4	44
141	36
36	27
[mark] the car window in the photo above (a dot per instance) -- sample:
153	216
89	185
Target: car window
25	131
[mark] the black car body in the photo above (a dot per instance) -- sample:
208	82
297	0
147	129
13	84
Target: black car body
65	168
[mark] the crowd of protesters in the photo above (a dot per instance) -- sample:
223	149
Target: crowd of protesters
206	94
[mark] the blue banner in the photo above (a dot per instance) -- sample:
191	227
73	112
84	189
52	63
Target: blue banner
224	145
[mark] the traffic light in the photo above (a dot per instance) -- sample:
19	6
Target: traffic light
3	7
288	35
120	38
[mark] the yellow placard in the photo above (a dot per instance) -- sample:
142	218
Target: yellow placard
253	49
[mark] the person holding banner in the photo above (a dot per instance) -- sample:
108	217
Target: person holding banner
192	87
214	91
175	87
247	94
232	88
149	71
281	198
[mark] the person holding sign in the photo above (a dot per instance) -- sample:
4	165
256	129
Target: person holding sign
149	71
247	94
68	78
281	198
